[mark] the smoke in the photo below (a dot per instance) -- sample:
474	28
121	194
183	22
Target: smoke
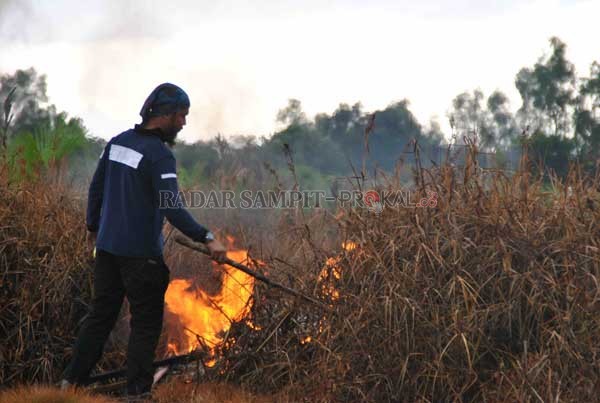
34	23
240	61
16	19
106	56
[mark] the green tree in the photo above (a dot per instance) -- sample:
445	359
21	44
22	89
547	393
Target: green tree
29	100
292	114
503	125
346	125
553	152
42	140
395	128
470	119
548	92
45	150
7	117
587	115
331	142
489	122
308	146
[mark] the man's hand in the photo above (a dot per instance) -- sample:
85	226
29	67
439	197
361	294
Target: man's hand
217	250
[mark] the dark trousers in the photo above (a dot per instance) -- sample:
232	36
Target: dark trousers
144	282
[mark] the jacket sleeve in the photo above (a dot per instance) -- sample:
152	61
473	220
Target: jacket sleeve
96	193
164	183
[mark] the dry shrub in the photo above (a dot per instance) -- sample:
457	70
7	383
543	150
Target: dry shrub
45	394
492	295
178	391
45	277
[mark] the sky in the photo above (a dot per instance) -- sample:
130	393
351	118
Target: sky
240	61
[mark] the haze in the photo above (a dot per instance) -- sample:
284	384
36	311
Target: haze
241	61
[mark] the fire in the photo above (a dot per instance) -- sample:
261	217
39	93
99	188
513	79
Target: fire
207	317
330	273
172	348
349	246
333	271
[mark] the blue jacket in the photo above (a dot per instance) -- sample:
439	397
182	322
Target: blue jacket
124	196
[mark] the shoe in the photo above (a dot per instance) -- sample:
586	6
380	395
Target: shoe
66	385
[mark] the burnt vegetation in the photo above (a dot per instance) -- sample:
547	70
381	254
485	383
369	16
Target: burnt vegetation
490	295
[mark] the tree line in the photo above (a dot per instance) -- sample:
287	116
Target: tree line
558	119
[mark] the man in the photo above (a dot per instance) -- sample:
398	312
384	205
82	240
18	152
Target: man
123	209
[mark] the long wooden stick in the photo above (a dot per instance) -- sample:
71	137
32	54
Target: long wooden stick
203	249
120	373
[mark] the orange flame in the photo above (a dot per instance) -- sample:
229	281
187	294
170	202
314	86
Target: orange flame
333	271
349	246
330	273
207	317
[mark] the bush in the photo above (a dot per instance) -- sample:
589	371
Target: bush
491	295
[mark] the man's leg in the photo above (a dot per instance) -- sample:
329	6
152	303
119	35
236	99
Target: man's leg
146	281
106	304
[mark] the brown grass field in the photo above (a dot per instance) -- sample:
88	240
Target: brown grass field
45	394
491	295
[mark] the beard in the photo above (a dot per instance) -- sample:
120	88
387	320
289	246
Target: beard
170	132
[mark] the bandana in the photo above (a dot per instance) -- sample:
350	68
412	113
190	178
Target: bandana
167	98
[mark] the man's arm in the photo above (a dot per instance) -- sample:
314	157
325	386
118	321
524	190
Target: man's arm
164	181
96	194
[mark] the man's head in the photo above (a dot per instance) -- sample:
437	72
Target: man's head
166	109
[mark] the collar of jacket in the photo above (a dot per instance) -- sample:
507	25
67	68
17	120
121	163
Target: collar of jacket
150	132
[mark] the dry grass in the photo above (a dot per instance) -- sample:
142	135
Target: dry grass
177	391
46	394
492	295
45	277
174	391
